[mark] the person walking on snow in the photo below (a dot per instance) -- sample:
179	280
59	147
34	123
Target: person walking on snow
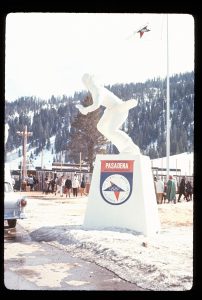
60	185
68	186
171	190
82	186
75	185
159	190
182	189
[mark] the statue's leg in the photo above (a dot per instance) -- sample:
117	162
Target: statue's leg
109	126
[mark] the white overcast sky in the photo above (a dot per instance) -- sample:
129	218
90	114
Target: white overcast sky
47	53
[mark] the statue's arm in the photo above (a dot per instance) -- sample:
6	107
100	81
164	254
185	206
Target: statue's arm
87	109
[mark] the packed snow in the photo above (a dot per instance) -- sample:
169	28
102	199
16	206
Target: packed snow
163	262
160	263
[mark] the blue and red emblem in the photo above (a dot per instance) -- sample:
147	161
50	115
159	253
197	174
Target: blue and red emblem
116	180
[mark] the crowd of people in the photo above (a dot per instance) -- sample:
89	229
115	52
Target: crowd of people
170	191
65	186
167	191
30	181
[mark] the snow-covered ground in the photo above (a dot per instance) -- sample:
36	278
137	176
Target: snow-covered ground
160	263
44	159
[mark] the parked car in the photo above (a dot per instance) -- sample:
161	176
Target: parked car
14	205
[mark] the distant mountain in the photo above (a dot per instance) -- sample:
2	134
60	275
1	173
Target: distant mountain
51	121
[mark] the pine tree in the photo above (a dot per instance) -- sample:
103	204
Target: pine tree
85	137
146	123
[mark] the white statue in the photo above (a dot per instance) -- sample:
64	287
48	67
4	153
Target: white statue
114	116
6	130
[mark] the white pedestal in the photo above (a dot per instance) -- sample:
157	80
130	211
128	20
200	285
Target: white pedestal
122	194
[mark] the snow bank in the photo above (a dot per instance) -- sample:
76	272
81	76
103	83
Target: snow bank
163	262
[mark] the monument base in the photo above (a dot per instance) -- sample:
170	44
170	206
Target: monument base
122	194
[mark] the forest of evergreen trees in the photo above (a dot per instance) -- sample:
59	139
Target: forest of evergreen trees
73	132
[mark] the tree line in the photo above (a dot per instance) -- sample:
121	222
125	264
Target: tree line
74	133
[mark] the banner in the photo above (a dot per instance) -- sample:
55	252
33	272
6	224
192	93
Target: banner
116	180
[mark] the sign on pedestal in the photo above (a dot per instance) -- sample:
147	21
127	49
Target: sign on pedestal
122	194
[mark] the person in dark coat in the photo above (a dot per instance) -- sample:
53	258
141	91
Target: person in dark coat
82	186
189	190
182	189
52	185
68	186
45	185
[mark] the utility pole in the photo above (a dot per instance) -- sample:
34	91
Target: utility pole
41	159
24	135
61	159
80	162
168	111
